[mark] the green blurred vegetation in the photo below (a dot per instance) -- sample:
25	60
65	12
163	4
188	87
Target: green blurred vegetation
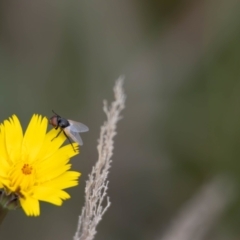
181	123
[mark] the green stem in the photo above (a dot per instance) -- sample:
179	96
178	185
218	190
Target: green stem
3	213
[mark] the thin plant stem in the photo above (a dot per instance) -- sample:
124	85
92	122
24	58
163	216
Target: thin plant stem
3	213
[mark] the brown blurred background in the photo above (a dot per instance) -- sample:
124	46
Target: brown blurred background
181	125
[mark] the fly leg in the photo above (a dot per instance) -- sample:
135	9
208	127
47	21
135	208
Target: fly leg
69	141
58	133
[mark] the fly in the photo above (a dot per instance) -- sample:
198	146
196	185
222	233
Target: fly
70	128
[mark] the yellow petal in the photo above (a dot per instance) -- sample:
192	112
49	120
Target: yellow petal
51	143
30	206
34	137
13	137
52	195
4	159
66	180
58	159
49	174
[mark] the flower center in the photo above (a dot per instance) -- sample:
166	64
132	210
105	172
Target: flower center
22	177
27	169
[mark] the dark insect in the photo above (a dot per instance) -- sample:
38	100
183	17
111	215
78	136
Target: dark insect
71	129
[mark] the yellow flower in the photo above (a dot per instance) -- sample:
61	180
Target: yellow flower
34	167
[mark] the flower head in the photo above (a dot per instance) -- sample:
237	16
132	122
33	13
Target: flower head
34	167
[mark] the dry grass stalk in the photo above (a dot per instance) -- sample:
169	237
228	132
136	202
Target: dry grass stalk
202	211
97	184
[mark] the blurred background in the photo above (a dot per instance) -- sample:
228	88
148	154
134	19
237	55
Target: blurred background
178	145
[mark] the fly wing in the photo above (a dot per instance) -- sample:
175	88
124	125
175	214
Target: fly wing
73	135
77	126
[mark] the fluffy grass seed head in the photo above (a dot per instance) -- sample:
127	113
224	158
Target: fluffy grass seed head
33	166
